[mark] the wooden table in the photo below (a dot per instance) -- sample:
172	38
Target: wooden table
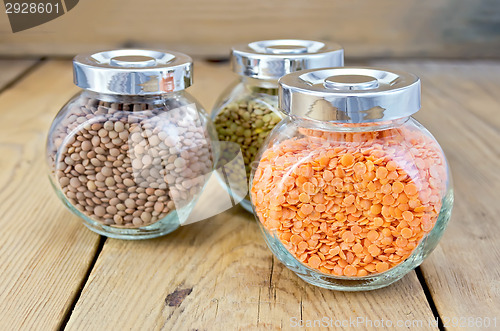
219	274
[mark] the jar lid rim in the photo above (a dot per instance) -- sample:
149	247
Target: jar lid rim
133	71
272	59
350	94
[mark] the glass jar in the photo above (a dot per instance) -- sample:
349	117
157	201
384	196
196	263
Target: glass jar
132	151
351	192
248	110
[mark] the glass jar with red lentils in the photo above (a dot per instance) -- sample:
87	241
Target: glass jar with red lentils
351	192
248	110
131	153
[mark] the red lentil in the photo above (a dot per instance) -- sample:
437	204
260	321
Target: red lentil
357	203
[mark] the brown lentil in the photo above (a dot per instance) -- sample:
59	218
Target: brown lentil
109	161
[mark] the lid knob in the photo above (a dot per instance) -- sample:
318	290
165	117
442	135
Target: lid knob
135	61
351	82
271	59
286	49
133	71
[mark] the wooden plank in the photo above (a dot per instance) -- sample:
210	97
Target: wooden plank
219	275
45	252
385	28
460	107
10	69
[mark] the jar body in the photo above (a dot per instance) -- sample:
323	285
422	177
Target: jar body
351	207
244	115
131	167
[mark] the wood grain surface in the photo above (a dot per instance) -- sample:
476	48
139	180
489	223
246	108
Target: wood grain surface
45	252
461	108
219	275
367	29
210	80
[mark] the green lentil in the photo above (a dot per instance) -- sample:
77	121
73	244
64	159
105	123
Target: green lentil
247	122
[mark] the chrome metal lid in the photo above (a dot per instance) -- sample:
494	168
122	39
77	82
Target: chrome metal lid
349	95
133	72
272	59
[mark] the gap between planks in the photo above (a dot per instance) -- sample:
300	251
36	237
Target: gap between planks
428	296
64	321
14	70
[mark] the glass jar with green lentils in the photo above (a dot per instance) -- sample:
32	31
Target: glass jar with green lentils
247	111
